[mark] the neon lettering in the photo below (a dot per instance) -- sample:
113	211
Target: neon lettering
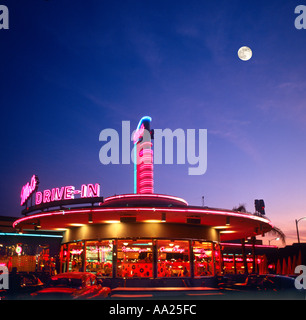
47	196
28	189
100	249
93	190
139	250
69	192
39	198
57	193
175	249
83	191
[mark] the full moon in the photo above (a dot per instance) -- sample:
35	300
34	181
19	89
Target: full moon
245	53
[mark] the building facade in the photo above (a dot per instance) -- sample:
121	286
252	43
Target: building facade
143	235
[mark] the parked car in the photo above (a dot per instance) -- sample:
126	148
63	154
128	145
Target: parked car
266	284
73	285
21	285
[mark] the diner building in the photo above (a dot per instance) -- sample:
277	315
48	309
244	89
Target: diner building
142	235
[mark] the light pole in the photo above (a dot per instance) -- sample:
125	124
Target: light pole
297	227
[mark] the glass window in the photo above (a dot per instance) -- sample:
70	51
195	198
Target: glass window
99	257
63	258
217	256
240	268
135	258
75	256
203	258
229	267
233	263
173	258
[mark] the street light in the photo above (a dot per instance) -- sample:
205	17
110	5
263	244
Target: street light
273	239
297	227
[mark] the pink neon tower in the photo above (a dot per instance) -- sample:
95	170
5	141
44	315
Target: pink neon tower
143	165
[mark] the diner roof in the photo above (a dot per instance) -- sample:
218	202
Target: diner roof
149	208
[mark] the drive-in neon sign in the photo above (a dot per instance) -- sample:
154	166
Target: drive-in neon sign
28	189
66	193
57	194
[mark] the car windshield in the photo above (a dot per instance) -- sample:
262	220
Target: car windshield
66	282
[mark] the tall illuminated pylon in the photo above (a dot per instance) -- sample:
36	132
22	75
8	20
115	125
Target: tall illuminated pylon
143	157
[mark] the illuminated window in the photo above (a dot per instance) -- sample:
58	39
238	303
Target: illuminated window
173	258
99	257
217	257
203	258
75	260
229	267
135	258
63	258
240	263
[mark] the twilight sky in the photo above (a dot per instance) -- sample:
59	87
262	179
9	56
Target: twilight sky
70	69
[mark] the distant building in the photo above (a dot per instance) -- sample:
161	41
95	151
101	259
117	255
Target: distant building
28	252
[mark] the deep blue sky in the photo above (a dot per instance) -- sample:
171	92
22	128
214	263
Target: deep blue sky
70	69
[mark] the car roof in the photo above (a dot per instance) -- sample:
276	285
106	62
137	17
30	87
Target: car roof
73	275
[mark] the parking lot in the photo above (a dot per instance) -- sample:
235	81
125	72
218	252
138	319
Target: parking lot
86	286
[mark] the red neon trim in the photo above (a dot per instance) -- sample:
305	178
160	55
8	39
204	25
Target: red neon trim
142	144
198	211
147	181
53	213
149	195
145	165
247	245
146	156
148	152
145	190
147	175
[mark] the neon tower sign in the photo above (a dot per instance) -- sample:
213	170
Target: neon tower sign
143	157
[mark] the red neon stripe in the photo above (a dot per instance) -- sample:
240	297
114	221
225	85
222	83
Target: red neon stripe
149	195
198	211
247	245
147	181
